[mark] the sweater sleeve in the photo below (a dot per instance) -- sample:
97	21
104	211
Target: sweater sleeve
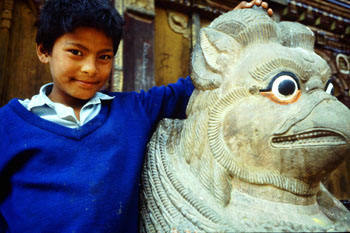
167	101
3	224
4	144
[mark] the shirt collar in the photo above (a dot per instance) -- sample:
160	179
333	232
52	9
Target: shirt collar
42	99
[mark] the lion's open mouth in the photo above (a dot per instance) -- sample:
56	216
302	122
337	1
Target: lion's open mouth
309	138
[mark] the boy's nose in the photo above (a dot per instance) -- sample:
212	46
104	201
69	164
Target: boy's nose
89	66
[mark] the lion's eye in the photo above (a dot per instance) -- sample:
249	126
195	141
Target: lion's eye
283	88
329	88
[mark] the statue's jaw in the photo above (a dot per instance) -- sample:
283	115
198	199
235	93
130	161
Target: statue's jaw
315	137
273	193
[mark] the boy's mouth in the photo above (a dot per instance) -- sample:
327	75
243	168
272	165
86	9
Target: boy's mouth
86	84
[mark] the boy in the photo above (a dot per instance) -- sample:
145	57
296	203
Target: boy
71	156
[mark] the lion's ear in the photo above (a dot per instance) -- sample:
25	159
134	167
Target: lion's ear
219	49
211	56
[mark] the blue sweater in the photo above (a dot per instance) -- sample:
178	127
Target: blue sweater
58	179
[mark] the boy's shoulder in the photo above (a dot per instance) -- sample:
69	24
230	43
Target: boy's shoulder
10	110
7	107
7	115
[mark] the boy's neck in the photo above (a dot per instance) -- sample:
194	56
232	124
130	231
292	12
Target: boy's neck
74	103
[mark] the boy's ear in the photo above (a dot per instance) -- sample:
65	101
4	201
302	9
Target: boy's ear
43	55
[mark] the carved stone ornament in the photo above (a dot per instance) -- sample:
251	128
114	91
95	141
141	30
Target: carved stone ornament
179	24
142	6
260	135
6	15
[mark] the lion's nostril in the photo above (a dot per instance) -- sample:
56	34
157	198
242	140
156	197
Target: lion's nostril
313	83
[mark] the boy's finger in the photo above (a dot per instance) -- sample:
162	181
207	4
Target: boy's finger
270	12
264	5
243	5
248	4
256	2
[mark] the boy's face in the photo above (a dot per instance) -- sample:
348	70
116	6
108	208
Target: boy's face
80	64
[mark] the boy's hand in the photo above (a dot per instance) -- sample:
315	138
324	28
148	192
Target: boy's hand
252	3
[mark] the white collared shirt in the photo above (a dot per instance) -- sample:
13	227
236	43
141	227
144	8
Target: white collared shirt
43	107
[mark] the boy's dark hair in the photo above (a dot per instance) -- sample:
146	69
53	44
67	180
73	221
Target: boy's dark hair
58	17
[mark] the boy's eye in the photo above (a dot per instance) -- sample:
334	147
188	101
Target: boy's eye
76	52
283	88
106	57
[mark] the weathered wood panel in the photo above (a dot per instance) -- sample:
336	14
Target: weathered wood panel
138	56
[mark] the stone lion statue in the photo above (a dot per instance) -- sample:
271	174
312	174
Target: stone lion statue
262	131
